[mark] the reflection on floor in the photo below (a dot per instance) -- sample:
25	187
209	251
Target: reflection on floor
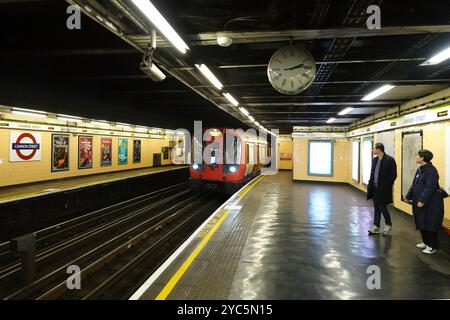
310	241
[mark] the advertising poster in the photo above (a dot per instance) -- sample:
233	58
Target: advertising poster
24	146
106	152
60	152
85	152
123	151
136	151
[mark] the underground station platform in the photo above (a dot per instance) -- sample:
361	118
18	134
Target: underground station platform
281	239
232	152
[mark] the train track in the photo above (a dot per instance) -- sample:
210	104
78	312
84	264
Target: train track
108	244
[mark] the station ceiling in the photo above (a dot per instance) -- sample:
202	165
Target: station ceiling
93	72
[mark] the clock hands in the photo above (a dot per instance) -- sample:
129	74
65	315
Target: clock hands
298	66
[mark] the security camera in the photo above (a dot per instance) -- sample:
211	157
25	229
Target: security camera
147	66
152	71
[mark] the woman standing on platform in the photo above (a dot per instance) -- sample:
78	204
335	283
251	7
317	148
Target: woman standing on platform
427	202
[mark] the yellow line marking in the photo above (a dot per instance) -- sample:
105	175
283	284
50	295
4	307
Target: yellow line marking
187	263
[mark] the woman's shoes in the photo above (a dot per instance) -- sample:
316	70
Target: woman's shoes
429	250
421	245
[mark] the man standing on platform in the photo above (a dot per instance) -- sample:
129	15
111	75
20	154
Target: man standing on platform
382	177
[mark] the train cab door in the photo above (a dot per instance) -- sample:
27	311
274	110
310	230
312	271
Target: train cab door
213	158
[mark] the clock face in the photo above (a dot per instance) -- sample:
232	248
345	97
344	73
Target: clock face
291	70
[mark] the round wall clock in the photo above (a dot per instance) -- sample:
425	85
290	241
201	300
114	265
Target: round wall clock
291	70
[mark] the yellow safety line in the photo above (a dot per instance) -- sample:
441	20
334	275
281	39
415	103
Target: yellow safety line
187	263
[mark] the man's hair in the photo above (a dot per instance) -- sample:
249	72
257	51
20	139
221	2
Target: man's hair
427	155
379	146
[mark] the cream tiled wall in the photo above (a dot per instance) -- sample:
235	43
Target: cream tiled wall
12	173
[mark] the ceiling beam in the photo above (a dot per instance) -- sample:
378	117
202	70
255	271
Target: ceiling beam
264	65
323	103
210	38
407	81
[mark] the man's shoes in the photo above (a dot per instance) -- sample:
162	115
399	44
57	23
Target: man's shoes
421	245
429	250
374	230
387	230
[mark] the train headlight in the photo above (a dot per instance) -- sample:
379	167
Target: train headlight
195	166
233	169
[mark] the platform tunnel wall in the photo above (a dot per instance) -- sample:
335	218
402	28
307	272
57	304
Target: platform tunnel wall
14	173
436	137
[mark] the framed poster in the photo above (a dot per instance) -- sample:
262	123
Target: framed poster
137	151
60	152
105	152
412	142
123	151
85	152
24	146
165	152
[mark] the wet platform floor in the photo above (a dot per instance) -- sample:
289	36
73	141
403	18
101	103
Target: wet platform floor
301	240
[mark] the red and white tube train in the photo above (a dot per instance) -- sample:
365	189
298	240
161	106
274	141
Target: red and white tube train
227	168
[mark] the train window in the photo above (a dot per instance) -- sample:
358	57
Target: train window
233	153
320	158
251	154
367	157
355	160
197	152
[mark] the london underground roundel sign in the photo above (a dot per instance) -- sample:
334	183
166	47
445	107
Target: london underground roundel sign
25	146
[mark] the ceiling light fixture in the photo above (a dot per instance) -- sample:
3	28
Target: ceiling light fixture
438	58
69	118
209	75
224	41
150	11
244	111
29	113
378	92
331	120
230	98
345	111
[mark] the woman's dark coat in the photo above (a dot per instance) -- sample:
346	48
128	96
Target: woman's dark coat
424	189
386	178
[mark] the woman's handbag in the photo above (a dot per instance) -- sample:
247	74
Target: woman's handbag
441	192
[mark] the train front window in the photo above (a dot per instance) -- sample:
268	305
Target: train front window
232	151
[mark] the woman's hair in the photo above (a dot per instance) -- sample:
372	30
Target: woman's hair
427	155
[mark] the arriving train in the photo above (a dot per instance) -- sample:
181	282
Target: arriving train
227	168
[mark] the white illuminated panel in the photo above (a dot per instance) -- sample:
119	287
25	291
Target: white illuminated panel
367	157
355	160
320	158
447	161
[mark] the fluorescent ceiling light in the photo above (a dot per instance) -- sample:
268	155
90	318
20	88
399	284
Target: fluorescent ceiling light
29	113
257	123
378	92
100	122
231	99
331	120
209	75
69	118
438	58
251	118
346	111
150	11
244	111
